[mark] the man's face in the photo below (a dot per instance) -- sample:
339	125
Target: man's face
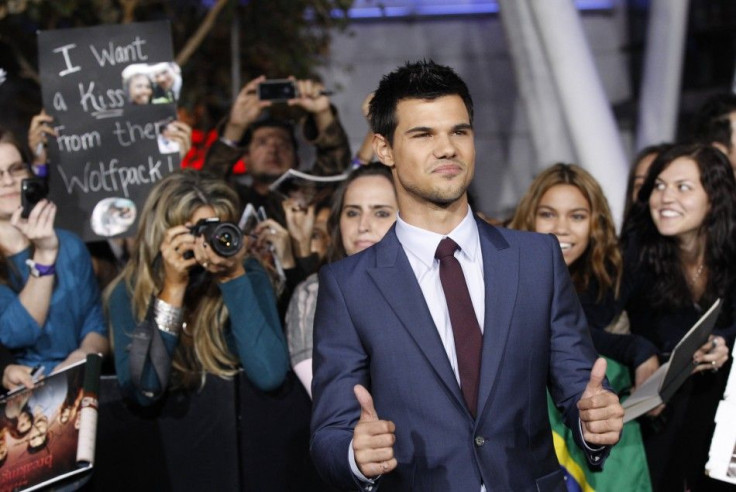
270	153
433	153
164	78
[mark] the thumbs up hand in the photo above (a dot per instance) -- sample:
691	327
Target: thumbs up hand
373	439
601	414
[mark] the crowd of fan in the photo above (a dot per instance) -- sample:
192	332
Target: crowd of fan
253	311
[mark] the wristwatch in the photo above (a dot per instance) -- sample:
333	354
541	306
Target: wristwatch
38	270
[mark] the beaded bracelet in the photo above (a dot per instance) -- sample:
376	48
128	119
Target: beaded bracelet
168	318
41	170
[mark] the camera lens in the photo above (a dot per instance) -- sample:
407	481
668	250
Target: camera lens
226	239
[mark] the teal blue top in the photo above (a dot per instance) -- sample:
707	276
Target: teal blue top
252	331
75	308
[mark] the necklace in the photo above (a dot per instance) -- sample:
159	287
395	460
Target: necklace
697	275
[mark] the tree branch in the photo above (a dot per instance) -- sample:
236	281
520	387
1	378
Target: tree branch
202	31
26	69
128	10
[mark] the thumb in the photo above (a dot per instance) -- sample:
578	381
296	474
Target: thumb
367	410
597	373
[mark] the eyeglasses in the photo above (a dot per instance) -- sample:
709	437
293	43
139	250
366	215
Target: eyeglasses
17	170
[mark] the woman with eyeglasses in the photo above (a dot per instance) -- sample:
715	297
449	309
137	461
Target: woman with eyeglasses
50	308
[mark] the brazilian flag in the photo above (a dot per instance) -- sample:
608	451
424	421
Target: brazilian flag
626	466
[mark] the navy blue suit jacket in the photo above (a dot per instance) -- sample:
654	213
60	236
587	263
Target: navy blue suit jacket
373	327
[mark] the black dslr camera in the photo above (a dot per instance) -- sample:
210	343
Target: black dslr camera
225	238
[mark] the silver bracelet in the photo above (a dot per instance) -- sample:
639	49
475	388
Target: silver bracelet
168	318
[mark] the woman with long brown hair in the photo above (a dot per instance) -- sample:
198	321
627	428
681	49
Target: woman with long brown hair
565	200
214	313
680	245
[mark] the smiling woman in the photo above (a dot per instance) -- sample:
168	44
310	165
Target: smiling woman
680	243
363	209
565	200
564	211
678	202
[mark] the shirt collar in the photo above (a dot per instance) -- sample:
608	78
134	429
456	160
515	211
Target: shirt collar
423	243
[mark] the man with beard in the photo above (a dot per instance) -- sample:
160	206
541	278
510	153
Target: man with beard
275	432
269	146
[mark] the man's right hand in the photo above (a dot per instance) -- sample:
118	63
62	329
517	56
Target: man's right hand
246	109
373	439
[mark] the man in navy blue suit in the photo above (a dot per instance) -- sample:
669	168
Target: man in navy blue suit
405	400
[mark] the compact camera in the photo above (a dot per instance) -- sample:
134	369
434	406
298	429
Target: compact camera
225	238
277	90
32	191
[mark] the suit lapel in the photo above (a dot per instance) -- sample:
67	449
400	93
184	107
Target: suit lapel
501	275
395	279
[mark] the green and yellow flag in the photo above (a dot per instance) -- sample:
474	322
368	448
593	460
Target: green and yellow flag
626	466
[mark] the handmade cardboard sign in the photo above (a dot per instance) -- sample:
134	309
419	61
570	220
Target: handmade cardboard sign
111	90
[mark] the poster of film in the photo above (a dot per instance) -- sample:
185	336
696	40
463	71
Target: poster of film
112	91
47	433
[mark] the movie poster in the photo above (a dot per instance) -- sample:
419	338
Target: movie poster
39	431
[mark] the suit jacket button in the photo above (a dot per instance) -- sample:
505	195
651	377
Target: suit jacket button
479	441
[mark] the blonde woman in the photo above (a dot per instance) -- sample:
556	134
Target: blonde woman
213	313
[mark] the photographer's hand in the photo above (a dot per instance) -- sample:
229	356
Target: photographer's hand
226	269
177	242
39	230
223	268
246	109
311	98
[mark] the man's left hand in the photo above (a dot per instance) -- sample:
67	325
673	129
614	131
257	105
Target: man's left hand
601	414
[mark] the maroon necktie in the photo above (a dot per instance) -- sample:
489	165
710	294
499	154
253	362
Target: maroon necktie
465	327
